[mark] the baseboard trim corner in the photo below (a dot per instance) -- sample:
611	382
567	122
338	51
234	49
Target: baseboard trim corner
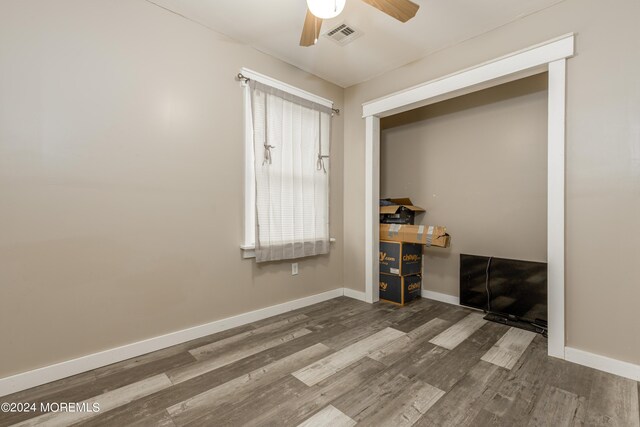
437	296
352	293
602	363
76	366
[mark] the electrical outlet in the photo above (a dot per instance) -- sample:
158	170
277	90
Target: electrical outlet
294	268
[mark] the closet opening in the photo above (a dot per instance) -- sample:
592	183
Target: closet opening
477	164
550	58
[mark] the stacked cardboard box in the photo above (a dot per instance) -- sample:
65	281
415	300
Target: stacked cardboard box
428	235
400	271
400	289
401	245
398	211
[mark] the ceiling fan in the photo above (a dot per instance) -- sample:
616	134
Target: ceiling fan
317	10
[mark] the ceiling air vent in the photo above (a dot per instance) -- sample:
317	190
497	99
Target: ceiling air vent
343	34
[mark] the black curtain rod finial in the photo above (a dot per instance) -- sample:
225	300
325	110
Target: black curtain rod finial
242	78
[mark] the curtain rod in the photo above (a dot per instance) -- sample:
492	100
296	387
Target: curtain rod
245	79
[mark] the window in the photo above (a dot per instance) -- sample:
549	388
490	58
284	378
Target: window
286	170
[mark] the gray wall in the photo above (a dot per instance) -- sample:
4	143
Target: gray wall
121	180
477	164
602	162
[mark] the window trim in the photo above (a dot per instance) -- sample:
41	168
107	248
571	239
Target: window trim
249	236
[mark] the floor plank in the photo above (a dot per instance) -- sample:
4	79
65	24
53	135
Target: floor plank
515	399
426	311
82	387
399	348
374	394
293	411
557	408
509	348
461	405
209	350
613	402
378	391
193	370
253	405
106	402
459	332
324	368
456	363
197	406
405	406
329	416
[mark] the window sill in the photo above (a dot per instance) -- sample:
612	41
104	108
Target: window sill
248	251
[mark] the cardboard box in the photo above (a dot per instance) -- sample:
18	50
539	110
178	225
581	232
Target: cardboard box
400	258
428	235
400	289
401	211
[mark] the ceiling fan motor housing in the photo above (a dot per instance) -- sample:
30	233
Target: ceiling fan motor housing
326	9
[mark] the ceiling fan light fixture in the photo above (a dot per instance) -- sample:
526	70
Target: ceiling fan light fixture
326	9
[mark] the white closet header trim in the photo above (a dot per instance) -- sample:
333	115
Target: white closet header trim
532	58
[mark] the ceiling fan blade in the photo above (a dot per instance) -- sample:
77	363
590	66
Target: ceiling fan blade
402	10
310	30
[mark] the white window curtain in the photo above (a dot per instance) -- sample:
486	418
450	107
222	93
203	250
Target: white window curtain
291	145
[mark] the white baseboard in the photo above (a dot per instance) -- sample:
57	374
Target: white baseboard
61	370
449	299
602	363
352	293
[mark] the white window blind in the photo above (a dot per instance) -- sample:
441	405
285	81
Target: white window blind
291	142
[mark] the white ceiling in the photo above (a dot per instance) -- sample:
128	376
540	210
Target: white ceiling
274	26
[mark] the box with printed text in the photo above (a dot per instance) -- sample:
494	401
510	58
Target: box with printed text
400	289
400	258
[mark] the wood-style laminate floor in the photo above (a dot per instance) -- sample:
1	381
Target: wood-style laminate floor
341	363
